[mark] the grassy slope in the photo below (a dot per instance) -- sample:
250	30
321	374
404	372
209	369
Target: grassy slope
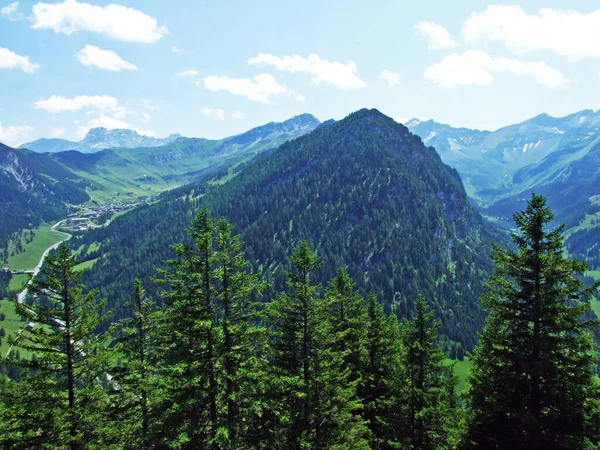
44	238
11	325
462	369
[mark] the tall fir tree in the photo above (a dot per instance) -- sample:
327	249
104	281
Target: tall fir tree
533	379
132	378
379	390
239	339
63	379
317	399
430	415
186	407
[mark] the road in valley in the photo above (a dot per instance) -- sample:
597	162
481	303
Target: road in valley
23	293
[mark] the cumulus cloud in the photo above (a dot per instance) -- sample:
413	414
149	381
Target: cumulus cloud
437	35
214	113
238	115
566	32
392	78
91	55
10	11
57	103
259	89
187	73
10	60
15	135
330	72
476	67
114	21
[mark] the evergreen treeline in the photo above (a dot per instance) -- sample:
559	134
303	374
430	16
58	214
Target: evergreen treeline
218	367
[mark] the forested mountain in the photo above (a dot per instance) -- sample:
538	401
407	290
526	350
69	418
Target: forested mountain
33	188
99	139
363	191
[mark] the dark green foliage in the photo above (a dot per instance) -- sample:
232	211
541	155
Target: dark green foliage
532	383
363	191
132	378
62	384
430	416
315	395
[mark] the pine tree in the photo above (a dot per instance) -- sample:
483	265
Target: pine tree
532	379
429	411
133	346
63	381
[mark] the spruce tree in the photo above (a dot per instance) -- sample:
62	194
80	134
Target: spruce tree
430	416
63	379
132	378
380	386
186	408
532	381
239	339
317	398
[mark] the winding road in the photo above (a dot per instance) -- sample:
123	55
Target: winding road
23	293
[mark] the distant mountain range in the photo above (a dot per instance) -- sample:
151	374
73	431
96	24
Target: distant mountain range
99	139
37	187
502	167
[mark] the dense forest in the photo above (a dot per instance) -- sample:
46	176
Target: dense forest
221	365
363	192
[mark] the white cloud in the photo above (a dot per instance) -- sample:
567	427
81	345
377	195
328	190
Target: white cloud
56	132
214	113
334	73
299	98
15	135
187	73
10	60
260	89
114	21
438	36
146	117
150	106
238	115
10	12
110	123
392	78
57	104
476	67
176	49
91	55
566	32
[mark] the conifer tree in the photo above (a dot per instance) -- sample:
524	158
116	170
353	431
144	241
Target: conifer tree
380	385
186	408
318	401
133	345
240	335
429	412
532	379
64	377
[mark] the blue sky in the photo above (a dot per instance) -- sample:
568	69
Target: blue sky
217	68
